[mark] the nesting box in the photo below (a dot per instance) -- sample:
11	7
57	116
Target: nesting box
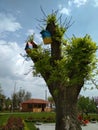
28	51
28	47
46	37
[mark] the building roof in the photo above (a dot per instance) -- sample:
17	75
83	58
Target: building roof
35	101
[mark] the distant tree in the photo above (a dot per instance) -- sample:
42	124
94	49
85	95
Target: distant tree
0	89
96	100
92	106
65	67
28	95
19	97
50	99
23	95
86	105
8	103
14	104
2	99
2	102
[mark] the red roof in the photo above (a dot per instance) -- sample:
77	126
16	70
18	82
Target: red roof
35	101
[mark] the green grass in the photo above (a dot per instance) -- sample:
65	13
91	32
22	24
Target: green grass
28	125
3	119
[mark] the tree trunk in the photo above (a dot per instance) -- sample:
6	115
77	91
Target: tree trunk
66	110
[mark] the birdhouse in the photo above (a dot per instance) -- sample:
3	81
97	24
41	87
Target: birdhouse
28	47
46	37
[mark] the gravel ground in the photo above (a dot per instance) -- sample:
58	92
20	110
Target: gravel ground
90	126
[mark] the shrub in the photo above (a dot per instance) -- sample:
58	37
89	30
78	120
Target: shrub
49	119
13	123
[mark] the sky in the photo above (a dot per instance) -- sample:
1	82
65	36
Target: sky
20	18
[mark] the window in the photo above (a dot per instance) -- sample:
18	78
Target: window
30	105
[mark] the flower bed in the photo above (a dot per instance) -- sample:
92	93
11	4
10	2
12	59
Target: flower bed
13	123
41	119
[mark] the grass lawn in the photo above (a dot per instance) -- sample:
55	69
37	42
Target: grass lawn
28	125
41	116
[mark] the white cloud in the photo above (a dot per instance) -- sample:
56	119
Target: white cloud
12	64
78	3
10	59
30	32
13	69
69	3
37	37
8	23
64	10
68	10
89	93
96	3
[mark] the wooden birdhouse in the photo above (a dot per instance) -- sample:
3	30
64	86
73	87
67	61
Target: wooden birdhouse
27	48
46	36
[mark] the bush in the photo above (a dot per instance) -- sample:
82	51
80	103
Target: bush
13	124
91	117
49	119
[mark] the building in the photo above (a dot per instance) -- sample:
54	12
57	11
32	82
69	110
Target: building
35	105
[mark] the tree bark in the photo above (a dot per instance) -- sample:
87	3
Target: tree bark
66	111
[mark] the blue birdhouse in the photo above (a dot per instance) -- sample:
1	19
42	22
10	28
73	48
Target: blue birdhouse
46	37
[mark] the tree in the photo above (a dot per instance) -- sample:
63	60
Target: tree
27	96
23	95
19	97
14	102
52	104
0	89
86	105
8	103
2	99
65	67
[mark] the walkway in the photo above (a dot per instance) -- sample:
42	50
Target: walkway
90	126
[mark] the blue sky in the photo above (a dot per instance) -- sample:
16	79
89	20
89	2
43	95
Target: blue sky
18	19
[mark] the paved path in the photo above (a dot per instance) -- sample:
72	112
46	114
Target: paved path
90	126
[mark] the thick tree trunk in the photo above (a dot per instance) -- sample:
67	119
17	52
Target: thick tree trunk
66	111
